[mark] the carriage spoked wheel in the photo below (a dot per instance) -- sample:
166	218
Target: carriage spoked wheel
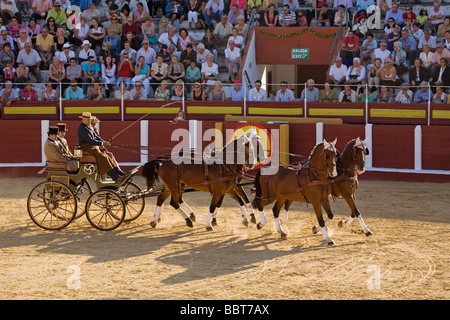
52	205
135	204
105	209
82	191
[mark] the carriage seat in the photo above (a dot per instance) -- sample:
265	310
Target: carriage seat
87	158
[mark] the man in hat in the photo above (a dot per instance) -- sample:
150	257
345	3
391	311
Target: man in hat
57	13
62	138
423	95
56	158
91	142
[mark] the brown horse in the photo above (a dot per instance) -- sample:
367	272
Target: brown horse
217	175
309	183
349	164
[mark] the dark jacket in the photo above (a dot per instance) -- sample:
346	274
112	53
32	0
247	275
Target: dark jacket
87	135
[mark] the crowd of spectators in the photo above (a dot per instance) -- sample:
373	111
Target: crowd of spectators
123	54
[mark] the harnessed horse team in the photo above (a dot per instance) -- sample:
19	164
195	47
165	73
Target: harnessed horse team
325	173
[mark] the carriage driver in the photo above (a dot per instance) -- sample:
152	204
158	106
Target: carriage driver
91	142
53	150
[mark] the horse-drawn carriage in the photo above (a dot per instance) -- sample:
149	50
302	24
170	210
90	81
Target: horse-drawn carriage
67	195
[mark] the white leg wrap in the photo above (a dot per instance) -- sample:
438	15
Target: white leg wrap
208	219
216	211
262	217
363	225
348	221
249	208
278	225
182	213
157	213
325	234
243	212
285	216
186	208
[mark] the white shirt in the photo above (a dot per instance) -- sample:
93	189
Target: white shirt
233	54
383	55
149	55
208	71
338	73
255	95
164	38
9	6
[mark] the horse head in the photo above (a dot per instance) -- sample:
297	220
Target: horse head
323	158
359	152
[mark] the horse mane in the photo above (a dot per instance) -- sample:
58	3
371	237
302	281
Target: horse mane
349	146
313	151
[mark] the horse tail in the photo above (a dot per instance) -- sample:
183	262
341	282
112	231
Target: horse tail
150	171
257	188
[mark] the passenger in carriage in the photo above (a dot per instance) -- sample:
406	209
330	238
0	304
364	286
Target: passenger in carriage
91	142
62	139
53	150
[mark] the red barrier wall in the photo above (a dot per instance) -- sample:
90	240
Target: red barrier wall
435	148
20	141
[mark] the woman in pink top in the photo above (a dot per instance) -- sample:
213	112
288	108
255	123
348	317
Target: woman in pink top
28	93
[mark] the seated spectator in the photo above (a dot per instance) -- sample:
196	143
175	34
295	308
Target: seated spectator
162	92
416	32
442	29
178	91
396	14
363	96
193	74
31	59
188	55
373	75
6	38
348	94
356	73
409	46
441	75
158	72
65	55
49	94
446	41
236	92
399	59
125	70
57	13
114	43
340	17
241	26
327	94
96	92
44	46
9	10
271	17
142	74
9	71
169	38
56	72
385	96
184	40
210	70
140	14
74	72
40	8
423	95
138	93
287	17
388	75
284	94
8	94
130	52
91	72
234	13
217	94
233	59
22	39
148	30
209	41
324	17
293	4
28	93
350	47
440	96
7	55
97	34
426	57
257	93
435	16
392	37
368	47
86	52
194	10
223	30
360	29
174	11
22	73
115	25
197	94
122	92
51	26
80	32
427	39
437	56
213	9
130	26
418	73
338	72
108	68
238	40
310	93
74	92
59	40
125	13
176	70
404	95
382	53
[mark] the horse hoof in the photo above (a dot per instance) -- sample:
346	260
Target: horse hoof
315	229
153	224
214	222
259	226
209	229
252	218
283	235
369	233
245	223
189	223
341	223
192	217
331	243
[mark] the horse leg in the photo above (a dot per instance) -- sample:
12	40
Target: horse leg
240	191
216	211
159	203
234	194
186	208
351	201
212	208
287	205
276	214
327	208
318	210
174	202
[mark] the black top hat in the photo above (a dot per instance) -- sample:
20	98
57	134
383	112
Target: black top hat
53	130
62	127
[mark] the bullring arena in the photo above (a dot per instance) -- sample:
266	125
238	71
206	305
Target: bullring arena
405	258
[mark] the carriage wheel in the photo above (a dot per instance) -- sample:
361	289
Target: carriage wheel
52	205
83	191
134	207
105	209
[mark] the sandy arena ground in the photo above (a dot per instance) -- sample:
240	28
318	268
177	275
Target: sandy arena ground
406	258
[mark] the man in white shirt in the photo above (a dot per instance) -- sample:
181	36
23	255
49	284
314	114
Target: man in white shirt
9	9
147	52
233	57
257	93
381	53
168	38
435	16
338	72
